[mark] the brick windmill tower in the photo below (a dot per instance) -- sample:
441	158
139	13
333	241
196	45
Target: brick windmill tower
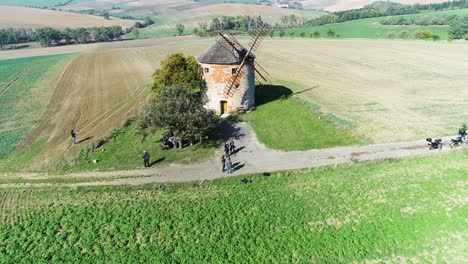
228	72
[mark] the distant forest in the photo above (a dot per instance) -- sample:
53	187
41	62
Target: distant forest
381	9
49	36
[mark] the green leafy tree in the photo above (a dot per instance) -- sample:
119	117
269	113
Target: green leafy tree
316	34
391	34
423	34
148	22
181	111
292	33
435	37
302	34
180	29
271	33
282	33
175	70
47	36
331	33
404	34
459	28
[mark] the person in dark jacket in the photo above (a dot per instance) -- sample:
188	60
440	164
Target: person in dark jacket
223	163
226	149
73	137
232	147
146	159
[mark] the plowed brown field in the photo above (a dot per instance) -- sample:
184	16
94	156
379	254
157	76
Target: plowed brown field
94	96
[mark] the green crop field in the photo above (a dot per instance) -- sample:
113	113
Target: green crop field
294	126
25	87
411	210
370	28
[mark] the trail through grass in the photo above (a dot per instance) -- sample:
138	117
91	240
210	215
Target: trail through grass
394	211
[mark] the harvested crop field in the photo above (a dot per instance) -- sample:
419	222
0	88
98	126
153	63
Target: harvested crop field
94	96
22	17
388	90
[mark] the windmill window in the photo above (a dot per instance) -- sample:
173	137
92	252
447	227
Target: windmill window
207	70
234	71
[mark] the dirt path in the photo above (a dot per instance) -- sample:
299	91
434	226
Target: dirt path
253	157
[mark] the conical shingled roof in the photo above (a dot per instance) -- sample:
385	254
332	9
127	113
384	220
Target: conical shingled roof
223	53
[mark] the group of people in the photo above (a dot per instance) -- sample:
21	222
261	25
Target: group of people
169	140
226	163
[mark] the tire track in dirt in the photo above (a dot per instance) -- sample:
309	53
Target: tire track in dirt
94	96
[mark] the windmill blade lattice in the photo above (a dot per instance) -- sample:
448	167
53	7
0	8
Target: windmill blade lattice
254	43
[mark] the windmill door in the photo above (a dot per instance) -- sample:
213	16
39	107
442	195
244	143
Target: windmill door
223	107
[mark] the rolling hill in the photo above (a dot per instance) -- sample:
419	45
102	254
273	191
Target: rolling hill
20	17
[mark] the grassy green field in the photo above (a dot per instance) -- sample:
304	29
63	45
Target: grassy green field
124	150
369	28
403	211
25	87
294	126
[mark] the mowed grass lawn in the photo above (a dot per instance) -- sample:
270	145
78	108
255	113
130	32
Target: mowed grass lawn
283	123
25	89
370	27
411	210
124	150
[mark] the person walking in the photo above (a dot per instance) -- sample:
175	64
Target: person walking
226	149
228	166
232	147
146	158
73	137
223	163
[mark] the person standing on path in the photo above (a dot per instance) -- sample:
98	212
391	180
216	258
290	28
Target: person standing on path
228	165
146	158
226	149
232	147
223	163
73	137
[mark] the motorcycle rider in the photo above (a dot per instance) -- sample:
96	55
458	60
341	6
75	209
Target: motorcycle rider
462	132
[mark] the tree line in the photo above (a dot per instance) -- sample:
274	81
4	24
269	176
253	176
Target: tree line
420	21
381	9
239	23
49	36
458	24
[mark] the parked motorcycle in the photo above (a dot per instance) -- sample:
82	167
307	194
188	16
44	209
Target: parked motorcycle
434	143
456	142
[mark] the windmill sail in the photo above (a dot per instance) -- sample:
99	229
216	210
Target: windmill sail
254	43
